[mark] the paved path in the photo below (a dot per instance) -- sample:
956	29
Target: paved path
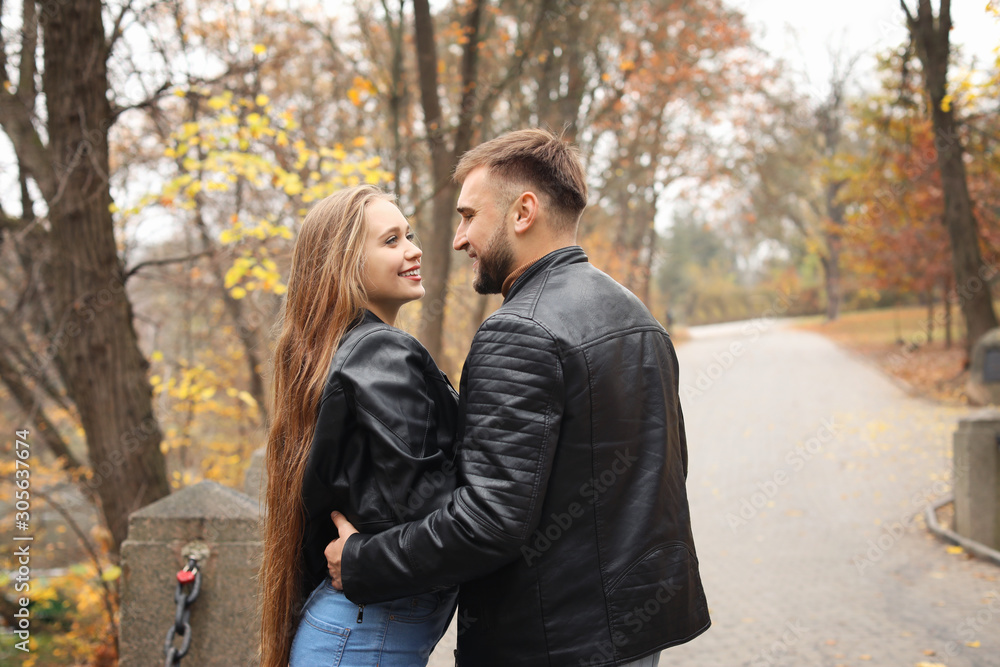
807	468
808	473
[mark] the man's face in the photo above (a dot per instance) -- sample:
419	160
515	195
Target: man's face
483	234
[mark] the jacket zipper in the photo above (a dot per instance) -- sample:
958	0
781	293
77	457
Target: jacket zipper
361	612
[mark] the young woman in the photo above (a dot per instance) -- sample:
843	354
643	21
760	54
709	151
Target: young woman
363	422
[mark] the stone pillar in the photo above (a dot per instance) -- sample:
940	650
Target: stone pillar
206	517
983	386
977	478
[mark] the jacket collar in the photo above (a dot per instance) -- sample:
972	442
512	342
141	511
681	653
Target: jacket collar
364	317
573	254
369	317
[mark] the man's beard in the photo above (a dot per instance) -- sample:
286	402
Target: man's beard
495	263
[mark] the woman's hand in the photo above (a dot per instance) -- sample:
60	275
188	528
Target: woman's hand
334	550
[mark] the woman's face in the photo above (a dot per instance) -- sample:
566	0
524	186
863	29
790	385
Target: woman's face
392	273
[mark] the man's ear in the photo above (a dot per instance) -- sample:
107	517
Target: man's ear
525	212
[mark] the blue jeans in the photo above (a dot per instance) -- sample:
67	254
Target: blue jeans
399	633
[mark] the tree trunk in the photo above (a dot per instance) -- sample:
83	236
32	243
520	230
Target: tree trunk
930	315
437	237
94	343
835	210
947	314
931	39
831	277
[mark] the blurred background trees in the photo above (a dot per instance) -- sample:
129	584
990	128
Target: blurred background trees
159	156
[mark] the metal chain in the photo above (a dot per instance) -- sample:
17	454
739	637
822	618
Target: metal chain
182	618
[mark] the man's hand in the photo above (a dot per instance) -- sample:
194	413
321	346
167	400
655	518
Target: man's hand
334	550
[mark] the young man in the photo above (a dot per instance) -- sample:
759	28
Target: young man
569	533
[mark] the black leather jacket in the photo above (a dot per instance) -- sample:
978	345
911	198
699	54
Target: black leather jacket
569	531
382	452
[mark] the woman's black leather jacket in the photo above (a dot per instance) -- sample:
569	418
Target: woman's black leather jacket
383	446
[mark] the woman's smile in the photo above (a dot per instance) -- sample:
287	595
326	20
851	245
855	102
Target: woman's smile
412	274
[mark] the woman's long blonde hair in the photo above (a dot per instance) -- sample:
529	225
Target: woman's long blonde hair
325	294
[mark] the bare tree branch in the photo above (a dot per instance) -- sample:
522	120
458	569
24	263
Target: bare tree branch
31	406
161	262
26	91
16	121
116	31
108	598
910	20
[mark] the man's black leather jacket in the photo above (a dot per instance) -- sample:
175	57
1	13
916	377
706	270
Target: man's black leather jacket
382	452
569	531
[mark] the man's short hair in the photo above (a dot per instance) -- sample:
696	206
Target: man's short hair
534	160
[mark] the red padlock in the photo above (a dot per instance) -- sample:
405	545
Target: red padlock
185	577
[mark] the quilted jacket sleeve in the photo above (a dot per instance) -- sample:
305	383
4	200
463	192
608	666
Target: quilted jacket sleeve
513	400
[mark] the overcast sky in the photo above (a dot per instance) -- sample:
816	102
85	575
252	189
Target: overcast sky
802	32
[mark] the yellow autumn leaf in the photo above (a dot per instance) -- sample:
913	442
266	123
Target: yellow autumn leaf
954	549
238	292
228	236
218	102
234	274
156	356
974	644
262	100
248	399
111	574
259	49
946	102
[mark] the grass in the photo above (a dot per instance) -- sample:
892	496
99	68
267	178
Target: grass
895	339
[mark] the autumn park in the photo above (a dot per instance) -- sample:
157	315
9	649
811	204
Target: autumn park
825	254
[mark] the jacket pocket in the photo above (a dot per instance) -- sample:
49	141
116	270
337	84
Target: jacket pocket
658	599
